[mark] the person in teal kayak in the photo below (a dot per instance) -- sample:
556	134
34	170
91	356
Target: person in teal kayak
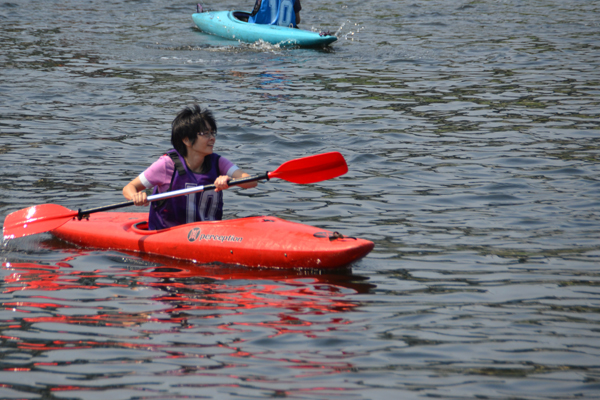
276	12
191	162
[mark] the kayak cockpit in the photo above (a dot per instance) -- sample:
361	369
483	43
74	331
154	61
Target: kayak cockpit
241	15
141	228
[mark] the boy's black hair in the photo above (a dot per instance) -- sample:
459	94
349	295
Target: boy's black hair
188	123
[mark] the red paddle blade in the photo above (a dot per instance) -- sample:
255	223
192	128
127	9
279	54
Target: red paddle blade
36	219
312	169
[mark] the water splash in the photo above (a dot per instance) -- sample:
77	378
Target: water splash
352	34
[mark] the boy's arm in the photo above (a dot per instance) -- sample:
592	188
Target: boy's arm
134	191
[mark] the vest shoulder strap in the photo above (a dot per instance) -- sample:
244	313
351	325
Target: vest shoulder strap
179	169
177	161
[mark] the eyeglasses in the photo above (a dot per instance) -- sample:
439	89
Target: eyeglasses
206	134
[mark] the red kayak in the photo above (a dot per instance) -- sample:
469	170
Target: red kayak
254	241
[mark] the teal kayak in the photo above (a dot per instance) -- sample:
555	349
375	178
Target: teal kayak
234	25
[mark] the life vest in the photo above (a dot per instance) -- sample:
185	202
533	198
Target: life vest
275	12
201	206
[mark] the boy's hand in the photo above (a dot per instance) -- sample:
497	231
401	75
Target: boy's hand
221	183
140	199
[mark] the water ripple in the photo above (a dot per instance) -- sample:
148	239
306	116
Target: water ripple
470	131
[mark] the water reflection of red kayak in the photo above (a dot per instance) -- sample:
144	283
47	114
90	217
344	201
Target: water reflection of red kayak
253	242
186	289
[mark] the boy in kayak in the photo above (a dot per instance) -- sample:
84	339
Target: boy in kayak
276	12
191	163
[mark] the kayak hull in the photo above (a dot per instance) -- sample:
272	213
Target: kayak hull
226	25
255	241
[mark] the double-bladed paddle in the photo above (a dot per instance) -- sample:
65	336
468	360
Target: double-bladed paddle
46	217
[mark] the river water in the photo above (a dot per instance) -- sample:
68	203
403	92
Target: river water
471	130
